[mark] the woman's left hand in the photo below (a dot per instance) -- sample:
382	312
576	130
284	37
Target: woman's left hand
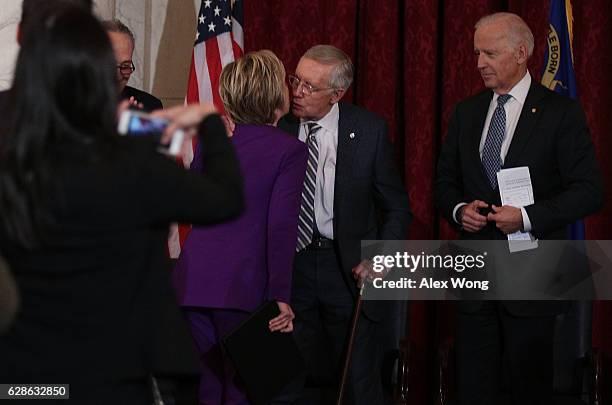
284	321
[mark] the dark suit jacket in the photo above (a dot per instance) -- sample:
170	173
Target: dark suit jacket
3	98
370	201
97	304
149	102
552	139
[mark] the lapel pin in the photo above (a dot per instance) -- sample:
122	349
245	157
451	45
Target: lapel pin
352	135
534	110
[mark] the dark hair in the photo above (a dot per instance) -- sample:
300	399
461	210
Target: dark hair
30	8
117	26
63	100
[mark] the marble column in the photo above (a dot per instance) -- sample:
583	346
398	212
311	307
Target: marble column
164	31
10	13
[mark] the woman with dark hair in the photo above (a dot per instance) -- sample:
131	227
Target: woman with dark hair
85	215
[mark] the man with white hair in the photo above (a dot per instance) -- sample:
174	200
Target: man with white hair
352	192
516	122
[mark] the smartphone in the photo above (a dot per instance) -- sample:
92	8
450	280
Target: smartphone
484	211
137	123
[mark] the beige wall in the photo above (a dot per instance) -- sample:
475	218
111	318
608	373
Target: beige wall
164	31
10	12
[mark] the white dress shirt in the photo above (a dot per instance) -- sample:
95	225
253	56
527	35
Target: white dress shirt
513	108
327	140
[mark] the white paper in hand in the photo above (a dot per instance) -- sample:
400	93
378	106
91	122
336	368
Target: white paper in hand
515	190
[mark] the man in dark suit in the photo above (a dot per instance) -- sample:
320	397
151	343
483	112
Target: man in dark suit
352	192
123	42
516	122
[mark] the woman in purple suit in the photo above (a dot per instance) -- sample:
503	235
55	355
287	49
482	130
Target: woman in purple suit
228	270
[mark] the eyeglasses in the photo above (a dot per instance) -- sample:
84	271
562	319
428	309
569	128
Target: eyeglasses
307	88
126	68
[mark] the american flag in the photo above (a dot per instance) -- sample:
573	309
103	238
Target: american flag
219	40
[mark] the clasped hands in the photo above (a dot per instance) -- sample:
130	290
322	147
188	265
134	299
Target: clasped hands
507	219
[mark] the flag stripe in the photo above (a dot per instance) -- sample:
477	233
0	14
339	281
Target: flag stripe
237	33
226	48
203	84
237	50
213	60
193	95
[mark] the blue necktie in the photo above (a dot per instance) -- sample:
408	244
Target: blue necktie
307	218
491	153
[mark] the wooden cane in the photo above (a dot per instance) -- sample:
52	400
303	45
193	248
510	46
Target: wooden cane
349	348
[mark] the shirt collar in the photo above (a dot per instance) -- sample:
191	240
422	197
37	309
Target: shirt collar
519	91
330	121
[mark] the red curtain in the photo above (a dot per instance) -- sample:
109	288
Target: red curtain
414	60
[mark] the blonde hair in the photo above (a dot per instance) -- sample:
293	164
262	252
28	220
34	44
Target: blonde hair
253	88
517	30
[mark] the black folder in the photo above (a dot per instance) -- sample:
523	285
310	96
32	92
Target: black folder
266	361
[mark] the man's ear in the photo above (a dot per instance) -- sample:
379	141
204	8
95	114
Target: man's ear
522	54
337	95
278	114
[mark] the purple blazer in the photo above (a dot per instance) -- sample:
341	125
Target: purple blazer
242	263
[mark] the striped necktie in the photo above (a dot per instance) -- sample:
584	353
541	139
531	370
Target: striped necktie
491	153
306	220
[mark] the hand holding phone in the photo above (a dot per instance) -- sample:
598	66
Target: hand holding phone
473	216
484	211
187	118
136	123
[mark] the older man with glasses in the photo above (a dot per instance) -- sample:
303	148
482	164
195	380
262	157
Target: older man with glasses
123	42
352	192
